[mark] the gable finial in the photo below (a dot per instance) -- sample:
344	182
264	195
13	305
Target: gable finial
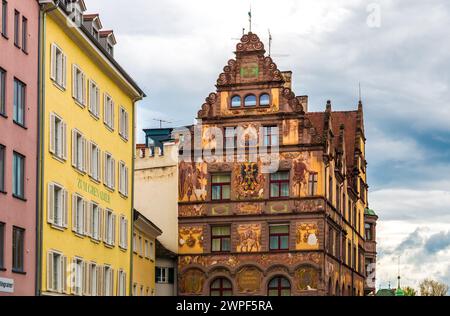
270	43
250	19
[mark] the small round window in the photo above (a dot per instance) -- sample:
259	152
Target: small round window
250	100
236	101
264	100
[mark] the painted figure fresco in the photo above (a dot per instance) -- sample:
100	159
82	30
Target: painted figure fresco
307	279
306	236
193	181
191	282
190	239
249	238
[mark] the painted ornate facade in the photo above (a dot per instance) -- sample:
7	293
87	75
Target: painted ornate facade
299	231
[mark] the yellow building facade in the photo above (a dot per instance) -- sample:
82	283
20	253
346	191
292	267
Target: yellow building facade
86	158
144	255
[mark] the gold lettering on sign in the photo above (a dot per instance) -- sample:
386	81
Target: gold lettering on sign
249	280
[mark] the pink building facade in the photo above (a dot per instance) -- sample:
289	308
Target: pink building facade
19	36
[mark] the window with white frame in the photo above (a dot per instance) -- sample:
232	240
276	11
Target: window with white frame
78	85
110	225
134	289
122	283
123	123
123	178
56	272
58	66
109	170
108	111
140	245
57	205
146	249
77	276
94	161
78	151
123	243
152	250
134	243
108	280
93	288
79	214
58	138
96	219
94	99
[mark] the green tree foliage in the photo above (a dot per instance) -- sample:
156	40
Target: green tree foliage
409	291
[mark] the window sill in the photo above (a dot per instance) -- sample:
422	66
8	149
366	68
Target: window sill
109	246
3	192
4	115
60	159
112	190
20	125
2	269
58	86
25	51
109	128
123	138
79	235
60	228
17	46
19	198
5	36
123	196
94	180
18	272
81	172
95	117
80	104
95	241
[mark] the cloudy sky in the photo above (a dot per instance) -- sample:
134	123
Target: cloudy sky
398	50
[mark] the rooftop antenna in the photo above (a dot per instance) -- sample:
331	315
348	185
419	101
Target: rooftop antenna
243	31
398	277
360	91
270	43
161	122
250	19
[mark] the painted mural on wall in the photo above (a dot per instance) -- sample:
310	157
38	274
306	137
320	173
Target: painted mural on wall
192	210
248	181
192	281
290	132
193	181
249	208
307	279
249	238
249	280
303	164
307	237
190	239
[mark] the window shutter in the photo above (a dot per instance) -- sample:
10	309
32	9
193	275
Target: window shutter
112	115
100	223
50	203
105	167
83	80
52	133
64	72
126	181
65	208
50	271
63	275
74	81
84	154
74	148
113	171
99	164
89	165
105	226
53	63
126	235
105	109
73	277
99	280
113	230
64	140
74	213
171	275
87	218
111	283
86	277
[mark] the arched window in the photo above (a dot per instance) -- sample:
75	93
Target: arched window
337	290
250	100
221	287
236	101
279	286
264	100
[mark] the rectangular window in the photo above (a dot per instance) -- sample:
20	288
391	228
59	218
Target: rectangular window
2	92
230	137
368	229
109	170
140	245
221	239
110	228
330	190
152	250
18	175
122	279
270	136
134	243
108	282
56	272
146	249
78	85
94	99
57	206
19	102
279	185
221	187
77	276
2	168
4	18
96	219
123	178
93	286
312	183
162	275
279	237
18	249
94	161
58	66
362	189
58	138
123	123
123	243
17	28
78	151
354	258
349	253
2	245
338	198
24	34
108	111
79	214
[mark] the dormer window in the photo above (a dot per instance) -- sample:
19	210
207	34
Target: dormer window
95	32
236	101
250	100
110	49
264	100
